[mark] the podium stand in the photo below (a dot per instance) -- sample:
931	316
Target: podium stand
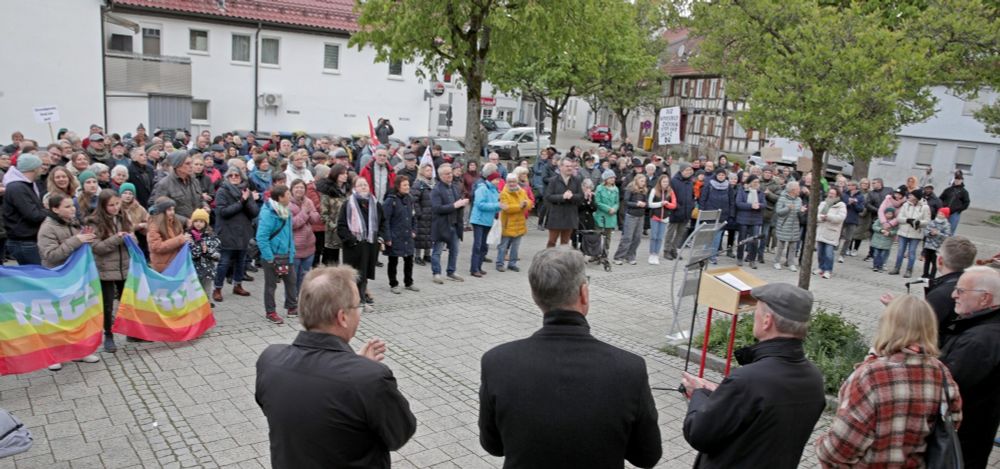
732	298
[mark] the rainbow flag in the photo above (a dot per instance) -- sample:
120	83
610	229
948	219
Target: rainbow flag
163	307
49	316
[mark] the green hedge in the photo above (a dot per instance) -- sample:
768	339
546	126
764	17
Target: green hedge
833	344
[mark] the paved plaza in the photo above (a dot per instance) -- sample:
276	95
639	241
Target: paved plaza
192	404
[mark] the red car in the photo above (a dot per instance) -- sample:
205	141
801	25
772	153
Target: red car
599	133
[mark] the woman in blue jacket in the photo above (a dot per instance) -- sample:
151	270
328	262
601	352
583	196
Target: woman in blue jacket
277	248
750	203
716	195
485	207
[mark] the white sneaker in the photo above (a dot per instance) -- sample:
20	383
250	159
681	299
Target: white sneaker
840	259
817	272
631	262
654	260
55	367
793	268
777	266
89	359
825	275
618	262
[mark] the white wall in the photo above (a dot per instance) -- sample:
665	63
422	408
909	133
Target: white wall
52	55
953	126
313	100
126	112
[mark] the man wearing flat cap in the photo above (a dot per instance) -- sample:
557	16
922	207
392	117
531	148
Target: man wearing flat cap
763	413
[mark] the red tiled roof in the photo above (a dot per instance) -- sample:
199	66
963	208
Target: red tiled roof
681	47
337	15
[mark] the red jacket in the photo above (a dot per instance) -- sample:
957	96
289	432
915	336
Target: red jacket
366	173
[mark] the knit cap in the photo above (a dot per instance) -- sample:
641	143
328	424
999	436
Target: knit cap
128	186
28	162
607	174
944	211
177	158
86	175
200	214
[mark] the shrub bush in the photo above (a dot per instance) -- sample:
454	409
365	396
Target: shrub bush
833	344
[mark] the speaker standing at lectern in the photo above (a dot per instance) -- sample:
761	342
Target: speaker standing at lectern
763	413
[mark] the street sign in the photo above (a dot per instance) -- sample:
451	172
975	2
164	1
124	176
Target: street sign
438	88
46	114
670	126
488	101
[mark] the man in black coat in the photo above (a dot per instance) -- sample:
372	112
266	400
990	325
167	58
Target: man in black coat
763	413
972	353
23	212
933	202
956	198
446	223
683	185
327	405
563	196
873	201
141	174
562	398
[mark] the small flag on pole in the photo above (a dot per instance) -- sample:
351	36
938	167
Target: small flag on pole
374	138
428	159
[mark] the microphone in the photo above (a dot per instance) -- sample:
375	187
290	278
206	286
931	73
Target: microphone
916	282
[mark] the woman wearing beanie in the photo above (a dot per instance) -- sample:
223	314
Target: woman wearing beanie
136	214
86	198
166	234
235	209
277	249
304	214
485	207
832	213
111	226
913	217
361	229
334	190
661	203
58	237
606	198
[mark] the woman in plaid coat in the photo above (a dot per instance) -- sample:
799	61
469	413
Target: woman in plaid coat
890	402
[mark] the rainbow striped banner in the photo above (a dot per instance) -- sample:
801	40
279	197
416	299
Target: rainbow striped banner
49	316
163	307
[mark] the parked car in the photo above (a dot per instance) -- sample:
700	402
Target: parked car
599	133
449	146
495	128
517	143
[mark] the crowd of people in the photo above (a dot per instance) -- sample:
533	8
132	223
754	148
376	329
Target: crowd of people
287	206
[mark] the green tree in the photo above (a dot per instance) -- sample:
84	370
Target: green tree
450	36
830	76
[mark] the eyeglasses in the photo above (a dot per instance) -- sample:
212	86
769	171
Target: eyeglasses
237	176
961	291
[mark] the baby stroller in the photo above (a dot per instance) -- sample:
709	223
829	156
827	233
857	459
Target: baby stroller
592	244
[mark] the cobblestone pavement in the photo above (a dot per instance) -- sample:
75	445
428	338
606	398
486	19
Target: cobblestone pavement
192	405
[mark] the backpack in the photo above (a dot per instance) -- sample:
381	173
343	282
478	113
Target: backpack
14	436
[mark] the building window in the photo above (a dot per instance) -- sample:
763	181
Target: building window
396	68
487	112
925	154
269	50
198	40
331	57
199	110
150	41
964	157
443	115
120	43
241	48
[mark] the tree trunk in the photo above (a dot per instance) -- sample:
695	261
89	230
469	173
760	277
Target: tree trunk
622	116
815	197
473	93
555	126
861	168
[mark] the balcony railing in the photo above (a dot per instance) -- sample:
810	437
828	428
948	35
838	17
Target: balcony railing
138	73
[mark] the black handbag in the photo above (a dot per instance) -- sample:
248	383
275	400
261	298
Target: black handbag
944	451
281	261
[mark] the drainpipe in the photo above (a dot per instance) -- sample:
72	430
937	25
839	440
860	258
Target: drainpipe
104	71
256	75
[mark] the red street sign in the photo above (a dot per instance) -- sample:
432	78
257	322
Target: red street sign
488	101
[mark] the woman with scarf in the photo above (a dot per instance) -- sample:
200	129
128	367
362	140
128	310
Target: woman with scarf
304	214
424	213
58	237
361	229
260	177
277	249
112	226
832	213
86	197
334	190
236	206
715	195
750	203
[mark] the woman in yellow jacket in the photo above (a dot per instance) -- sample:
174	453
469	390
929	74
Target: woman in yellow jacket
514	202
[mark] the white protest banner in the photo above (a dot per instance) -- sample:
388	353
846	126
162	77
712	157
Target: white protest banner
670	126
46	114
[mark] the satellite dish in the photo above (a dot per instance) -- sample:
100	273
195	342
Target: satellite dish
680	51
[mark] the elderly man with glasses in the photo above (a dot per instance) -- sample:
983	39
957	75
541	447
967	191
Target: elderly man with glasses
972	352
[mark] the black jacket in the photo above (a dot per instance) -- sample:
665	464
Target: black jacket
423	214
684	193
632	200
934	203
234	217
327	406
563	399
563	214
938	294
972	352
874	199
762	414
400	224
141	176
956	198
23	213
446	217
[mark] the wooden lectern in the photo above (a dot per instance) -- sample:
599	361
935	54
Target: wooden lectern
725	290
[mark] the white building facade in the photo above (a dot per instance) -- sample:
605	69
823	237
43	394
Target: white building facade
952	139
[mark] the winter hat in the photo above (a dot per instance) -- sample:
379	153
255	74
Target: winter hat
28	162
607	174
493	175
86	175
177	158
750	178
682	166
96	137
919	194
200	214
637	163
128	186
891	209
161	206
234	170
218	147
340	153
944	211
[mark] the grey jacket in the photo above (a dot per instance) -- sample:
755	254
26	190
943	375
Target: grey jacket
187	195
